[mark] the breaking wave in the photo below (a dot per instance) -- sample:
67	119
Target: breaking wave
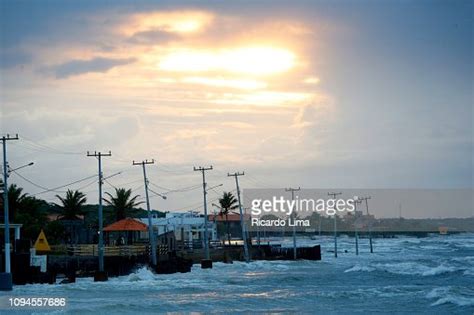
405	268
447	295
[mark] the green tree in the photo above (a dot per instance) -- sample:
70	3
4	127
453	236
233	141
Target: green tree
71	205
31	213
123	203
71	208
15	198
227	203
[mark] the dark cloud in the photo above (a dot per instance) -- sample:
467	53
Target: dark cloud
77	67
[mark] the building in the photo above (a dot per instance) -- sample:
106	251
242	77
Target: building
229	224
188	228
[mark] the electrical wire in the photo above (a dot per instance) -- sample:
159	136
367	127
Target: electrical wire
62	186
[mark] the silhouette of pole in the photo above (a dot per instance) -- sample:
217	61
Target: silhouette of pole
370	222
356	232
151	235
206	239
242	225
292	190
8	285
99	156
334	194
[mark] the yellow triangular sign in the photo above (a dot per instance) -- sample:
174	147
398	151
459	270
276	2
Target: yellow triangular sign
41	243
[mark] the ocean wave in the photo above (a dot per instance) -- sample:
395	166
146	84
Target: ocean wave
405	268
142	274
468	259
447	295
358	268
439	270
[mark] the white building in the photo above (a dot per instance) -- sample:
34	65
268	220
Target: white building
188	227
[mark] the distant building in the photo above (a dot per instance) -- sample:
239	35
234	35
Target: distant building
233	221
188	228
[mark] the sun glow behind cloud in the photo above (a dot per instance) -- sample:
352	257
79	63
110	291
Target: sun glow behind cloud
245	84
258	61
171	21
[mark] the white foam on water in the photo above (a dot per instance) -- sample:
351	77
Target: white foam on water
439	270
415	268
358	268
457	300
446	295
142	274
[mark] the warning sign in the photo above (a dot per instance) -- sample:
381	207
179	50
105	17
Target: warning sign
41	243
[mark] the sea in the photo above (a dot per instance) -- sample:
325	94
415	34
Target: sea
427	275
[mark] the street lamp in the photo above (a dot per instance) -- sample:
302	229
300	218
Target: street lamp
20	167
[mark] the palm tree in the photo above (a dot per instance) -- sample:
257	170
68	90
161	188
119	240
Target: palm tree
71	209
15	199
227	203
71	205
123	202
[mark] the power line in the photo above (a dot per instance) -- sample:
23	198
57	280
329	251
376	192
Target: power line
49	148
69	184
183	189
29	181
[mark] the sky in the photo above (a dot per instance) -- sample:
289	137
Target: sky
313	94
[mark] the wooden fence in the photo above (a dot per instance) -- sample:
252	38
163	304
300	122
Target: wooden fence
92	250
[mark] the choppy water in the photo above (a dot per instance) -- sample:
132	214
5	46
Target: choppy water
433	275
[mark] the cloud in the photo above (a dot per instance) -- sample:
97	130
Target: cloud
153	37
12	58
77	67
168	21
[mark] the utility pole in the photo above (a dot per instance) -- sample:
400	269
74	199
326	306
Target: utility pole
319	230
206	242
244	235
292	190
356	201
334	194
6	283
370	221
151	235
102	276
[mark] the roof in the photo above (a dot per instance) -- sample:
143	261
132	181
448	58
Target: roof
230	217
127	224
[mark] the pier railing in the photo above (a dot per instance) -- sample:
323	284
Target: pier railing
92	250
196	244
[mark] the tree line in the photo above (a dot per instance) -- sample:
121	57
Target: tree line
71	209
